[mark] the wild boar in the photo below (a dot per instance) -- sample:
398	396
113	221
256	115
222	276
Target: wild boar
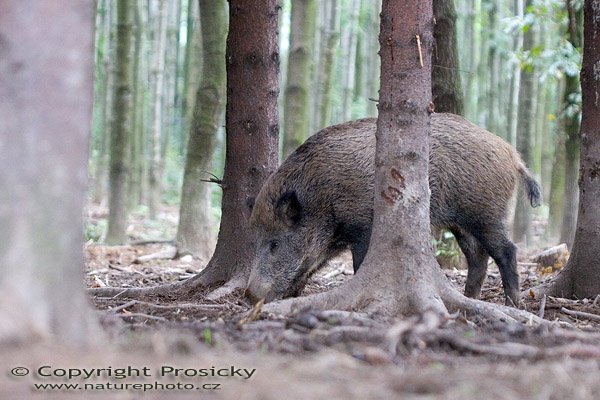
320	202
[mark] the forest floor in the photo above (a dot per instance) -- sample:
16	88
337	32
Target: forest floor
314	355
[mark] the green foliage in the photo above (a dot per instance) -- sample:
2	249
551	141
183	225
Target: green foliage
93	230
446	247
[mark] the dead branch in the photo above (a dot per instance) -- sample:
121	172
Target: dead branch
580	314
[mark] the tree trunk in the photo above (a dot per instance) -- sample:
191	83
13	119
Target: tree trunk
330	38
296	108
120	130
137	156
44	167
155	167
581	277
348	44
572	115
513	106
447	91
194	234
104	42
525	128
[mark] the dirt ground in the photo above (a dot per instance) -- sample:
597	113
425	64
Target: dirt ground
314	355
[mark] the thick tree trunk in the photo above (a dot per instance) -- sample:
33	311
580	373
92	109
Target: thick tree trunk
120	131
46	91
446	89
194	234
525	128
296	107
581	277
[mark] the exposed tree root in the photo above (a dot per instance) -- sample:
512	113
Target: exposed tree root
198	286
438	296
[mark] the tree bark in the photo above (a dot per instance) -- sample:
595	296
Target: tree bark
447	90
194	234
46	92
120	131
581	277
296	107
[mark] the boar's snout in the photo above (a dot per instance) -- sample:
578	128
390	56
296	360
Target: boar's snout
257	290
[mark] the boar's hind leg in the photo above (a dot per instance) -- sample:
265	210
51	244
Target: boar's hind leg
477	260
494	240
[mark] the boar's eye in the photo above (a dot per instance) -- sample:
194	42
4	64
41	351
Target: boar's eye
273	244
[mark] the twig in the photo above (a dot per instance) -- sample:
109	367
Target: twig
141	242
420	51
123	306
581	314
173	306
139	315
542	309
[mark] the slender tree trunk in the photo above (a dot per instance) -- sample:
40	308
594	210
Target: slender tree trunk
44	167
572	116
120	130
493	64
102	99
557	181
194	234
373	61
330	39
155	166
581	276
136	145
348	45
525	130
513	109
296	108
447	90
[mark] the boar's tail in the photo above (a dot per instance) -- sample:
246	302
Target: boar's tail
532	188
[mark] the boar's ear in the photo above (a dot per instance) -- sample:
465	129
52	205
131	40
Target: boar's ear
288	208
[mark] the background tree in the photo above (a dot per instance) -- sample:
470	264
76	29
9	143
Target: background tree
120	128
571	122
194	233
446	86
41	253
296	120
158	67
581	278
525	130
